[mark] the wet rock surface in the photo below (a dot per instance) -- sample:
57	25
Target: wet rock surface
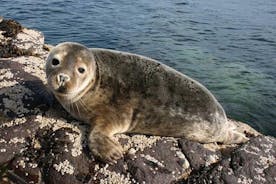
41	143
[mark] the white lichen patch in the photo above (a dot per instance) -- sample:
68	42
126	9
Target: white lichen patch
255	148
6	73
138	142
32	165
131	151
14	122
36	144
33	65
260	177
265	162
16	140
230	171
211	159
244	180
14	100
77	146
269	139
267	147
247	148
64	167
30	40
152	159
97	167
55	124
220	168
4	83
3	141
260	174
50	122
21	163
112	177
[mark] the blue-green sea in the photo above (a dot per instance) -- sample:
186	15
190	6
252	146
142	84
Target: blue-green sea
229	46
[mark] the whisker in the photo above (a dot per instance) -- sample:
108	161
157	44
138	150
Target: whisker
69	106
84	105
81	104
72	105
78	108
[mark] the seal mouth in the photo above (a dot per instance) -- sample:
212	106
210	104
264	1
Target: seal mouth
70	96
61	90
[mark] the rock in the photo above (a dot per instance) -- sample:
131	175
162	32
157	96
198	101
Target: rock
18	41
41	143
10	28
21	168
25	42
162	163
69	163
197	155
253	162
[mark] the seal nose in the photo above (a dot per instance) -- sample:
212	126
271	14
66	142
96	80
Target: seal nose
62	78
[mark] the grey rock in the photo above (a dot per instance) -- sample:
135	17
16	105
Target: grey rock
10	28
197	155
253	162
65	162
162	163
16	40
24	170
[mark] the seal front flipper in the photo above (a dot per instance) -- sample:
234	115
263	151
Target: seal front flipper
102	143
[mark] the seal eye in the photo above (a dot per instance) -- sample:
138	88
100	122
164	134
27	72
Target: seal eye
81	70
55	62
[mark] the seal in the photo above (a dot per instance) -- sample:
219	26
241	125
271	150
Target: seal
118	92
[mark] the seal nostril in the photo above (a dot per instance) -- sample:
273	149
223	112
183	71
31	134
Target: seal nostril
63	78
55	62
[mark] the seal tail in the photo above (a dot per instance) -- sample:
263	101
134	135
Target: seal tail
234	137
238	133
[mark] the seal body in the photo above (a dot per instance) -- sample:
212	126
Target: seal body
120	92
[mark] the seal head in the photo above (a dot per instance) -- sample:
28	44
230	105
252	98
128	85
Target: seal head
71	71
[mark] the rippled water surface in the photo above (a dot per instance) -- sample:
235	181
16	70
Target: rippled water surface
229	46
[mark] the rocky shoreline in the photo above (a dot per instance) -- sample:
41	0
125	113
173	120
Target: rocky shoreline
41	143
